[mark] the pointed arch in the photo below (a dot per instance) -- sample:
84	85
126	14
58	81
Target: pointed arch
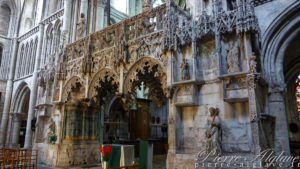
275	41
103	75
139	66
74	82
22	91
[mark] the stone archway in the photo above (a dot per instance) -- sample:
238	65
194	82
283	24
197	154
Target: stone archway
150	70
145	89
102	92
20	113
279	68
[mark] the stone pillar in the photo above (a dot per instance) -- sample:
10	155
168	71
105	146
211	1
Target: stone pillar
84	8
8	92
100	15
277	109
74	26
171	135
254	114
16	129
66	21
34	88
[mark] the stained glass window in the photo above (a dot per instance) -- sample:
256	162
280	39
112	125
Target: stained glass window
297	94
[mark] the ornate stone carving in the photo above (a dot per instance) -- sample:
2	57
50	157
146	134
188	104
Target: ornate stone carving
213	132
73	90
154	77
253	63
99	80
235	83
205	25
185	73
147	5
233	58
80	26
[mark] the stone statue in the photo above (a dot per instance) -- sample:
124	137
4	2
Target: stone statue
212	133
80	26
233	58
147	4
253	63
185	74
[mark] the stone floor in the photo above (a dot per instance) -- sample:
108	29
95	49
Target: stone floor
159	162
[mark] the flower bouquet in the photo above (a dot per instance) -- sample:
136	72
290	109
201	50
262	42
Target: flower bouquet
105	151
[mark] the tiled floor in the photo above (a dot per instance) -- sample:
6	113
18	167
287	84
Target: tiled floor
159	162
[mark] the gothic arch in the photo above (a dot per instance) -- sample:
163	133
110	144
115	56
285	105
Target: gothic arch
280	65
139	66
12	6
276	39
73	84
19	96
103	75
149	73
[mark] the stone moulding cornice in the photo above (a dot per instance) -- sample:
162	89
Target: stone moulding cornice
29	33
53	17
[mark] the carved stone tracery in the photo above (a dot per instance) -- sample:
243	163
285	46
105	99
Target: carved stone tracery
106	78
152	75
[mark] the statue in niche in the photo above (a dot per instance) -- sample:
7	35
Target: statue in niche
213	132
185	73
253	63
233	58
80	26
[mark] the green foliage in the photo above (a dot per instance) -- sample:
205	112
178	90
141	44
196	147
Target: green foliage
52	137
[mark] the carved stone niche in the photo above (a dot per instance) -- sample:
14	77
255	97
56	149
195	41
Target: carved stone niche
187	95
235	87
232	55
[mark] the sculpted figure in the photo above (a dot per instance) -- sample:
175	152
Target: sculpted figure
253	63
146	5
213	138
233	58
80	26
185	74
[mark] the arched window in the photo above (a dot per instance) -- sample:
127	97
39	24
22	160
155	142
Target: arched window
20	59
33	56
5	14
297	94
49	41
29	58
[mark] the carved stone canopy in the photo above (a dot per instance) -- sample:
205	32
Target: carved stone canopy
152	78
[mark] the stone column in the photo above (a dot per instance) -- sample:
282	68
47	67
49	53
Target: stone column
277	109
34	88
8	92
16	129
84	8
100	15
66	21
171	135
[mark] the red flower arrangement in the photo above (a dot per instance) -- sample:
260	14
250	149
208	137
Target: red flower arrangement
105	150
